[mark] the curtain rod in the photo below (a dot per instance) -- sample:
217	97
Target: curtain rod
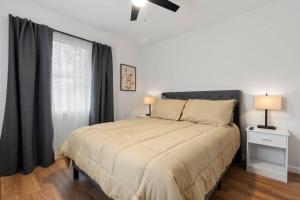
61	31
72	35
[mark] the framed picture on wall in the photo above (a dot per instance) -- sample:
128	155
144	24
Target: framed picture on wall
128	78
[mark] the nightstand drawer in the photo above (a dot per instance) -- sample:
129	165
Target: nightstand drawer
267	139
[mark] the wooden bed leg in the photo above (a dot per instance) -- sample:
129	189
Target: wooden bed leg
75	174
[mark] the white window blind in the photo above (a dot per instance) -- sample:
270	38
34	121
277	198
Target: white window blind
71	85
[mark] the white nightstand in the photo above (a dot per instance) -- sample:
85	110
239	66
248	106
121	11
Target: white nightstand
267	152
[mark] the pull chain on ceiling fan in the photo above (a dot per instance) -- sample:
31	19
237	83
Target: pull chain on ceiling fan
137	4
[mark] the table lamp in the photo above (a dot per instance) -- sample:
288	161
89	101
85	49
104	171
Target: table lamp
267	102
149	100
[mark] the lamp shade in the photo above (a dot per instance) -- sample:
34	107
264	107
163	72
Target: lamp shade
149	100
268	102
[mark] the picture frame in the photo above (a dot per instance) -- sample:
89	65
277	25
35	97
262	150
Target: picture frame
127	78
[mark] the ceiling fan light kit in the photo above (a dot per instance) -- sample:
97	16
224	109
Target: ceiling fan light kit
137	4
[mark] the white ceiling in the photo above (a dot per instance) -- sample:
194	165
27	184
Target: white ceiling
154	23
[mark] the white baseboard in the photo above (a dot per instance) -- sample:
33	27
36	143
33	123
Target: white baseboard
294	169
291	168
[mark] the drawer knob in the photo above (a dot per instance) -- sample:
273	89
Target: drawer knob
265	139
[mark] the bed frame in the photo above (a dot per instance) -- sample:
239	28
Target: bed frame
211	95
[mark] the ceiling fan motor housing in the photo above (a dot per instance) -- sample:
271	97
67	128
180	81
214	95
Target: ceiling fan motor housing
137	4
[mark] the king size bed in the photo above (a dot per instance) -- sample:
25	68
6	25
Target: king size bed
155	158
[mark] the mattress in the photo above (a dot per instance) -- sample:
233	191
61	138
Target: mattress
153	159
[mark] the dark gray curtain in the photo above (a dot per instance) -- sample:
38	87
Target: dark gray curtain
27	132
102	106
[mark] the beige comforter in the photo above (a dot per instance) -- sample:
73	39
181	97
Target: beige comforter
153	158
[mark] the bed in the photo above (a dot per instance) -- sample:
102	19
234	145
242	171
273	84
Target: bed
150	158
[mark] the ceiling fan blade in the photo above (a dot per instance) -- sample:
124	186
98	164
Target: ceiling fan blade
166	4
134	13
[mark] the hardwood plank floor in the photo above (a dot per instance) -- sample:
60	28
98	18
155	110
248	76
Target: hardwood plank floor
56	183
239	184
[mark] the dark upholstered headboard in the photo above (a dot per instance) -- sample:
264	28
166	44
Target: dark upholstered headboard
211	95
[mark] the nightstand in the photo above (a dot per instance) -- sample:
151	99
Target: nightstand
267	152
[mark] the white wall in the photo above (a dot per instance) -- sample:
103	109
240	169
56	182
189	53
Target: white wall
256	52
124	50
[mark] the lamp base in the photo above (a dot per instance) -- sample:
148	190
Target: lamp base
266	127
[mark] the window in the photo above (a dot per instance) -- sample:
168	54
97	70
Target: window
71	85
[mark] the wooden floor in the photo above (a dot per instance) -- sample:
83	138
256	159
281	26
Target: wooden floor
241	185
55	182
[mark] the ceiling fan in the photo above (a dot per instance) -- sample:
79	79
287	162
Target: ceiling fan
137	4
